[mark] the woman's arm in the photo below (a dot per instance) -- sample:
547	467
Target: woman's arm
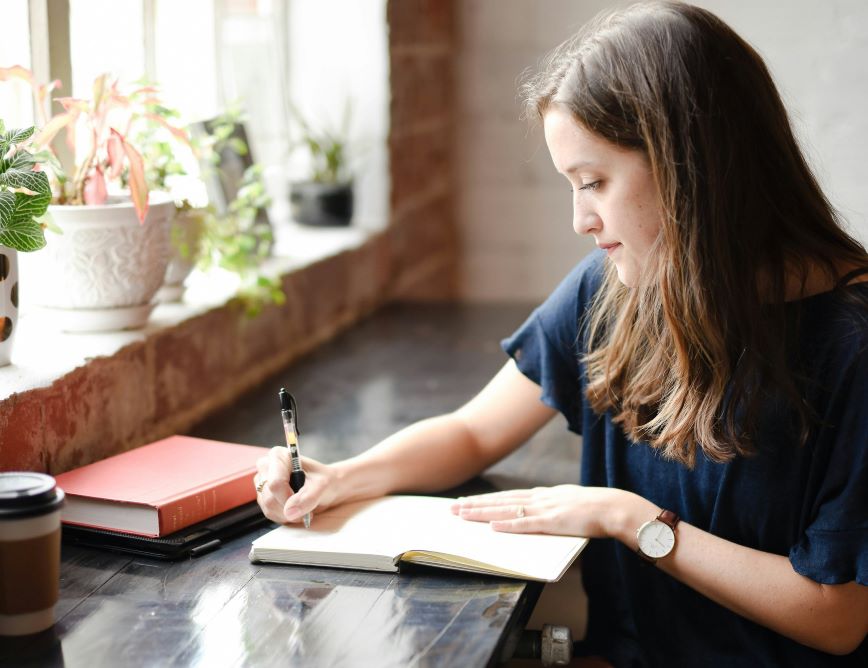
428	456
760	586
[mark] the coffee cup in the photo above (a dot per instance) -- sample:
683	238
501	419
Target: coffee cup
29	551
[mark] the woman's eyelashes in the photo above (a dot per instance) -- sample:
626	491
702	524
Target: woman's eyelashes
593	185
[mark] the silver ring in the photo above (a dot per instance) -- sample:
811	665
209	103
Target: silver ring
520	512
261	485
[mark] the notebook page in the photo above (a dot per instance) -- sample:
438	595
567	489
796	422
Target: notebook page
394	525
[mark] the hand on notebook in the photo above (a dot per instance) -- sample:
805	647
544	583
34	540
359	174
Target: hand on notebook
570	510
276	499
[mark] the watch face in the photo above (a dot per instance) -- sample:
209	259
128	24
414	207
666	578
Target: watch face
656	539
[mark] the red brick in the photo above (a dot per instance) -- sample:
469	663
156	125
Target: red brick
194	357
420	21
422	89
419	161
21	435
99	409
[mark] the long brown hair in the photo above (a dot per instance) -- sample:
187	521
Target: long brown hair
687	358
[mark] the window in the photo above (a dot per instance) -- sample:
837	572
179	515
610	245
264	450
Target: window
209	54
94	49
16	99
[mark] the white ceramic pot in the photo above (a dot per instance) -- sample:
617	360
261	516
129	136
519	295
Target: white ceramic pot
186	231
8	302
102	273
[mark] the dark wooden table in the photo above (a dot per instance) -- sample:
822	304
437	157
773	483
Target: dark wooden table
405	363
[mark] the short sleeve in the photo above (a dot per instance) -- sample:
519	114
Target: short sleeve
547	347
834	546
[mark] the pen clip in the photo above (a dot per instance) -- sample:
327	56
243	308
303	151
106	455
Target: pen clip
294	408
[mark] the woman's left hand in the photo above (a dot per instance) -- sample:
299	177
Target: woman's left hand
570	510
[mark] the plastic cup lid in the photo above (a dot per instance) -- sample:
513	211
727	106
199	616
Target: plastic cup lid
25	493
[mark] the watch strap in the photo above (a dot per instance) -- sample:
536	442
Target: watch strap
669	518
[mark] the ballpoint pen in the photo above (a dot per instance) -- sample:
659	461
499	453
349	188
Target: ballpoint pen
289	414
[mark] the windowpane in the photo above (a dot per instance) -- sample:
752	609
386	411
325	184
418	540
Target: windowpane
252	56
185	48
16	100
105	36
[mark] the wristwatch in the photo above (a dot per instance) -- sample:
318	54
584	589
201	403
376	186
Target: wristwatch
657	538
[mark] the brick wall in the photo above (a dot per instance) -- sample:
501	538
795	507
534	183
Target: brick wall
422	231
178	375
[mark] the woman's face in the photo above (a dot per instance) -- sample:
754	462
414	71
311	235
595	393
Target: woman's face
614	195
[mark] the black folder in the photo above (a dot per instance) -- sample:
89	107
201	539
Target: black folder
190	542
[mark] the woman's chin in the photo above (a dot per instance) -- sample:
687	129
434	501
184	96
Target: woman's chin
626	275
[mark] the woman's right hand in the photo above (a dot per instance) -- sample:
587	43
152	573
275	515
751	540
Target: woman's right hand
277	500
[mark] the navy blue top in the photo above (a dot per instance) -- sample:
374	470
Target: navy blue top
809	503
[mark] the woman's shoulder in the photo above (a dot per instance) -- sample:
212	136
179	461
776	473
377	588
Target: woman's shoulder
559	316
837	317
578	288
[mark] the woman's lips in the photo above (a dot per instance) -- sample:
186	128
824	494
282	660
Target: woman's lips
610	248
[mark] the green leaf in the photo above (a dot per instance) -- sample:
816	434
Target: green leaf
24	236
15	178
21	160
28	207
47	157
21	134
7	207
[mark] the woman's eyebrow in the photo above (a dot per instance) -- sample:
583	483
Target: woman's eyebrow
579	165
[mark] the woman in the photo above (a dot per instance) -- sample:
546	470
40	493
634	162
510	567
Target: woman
713	356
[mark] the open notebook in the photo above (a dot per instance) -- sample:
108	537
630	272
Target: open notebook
379	534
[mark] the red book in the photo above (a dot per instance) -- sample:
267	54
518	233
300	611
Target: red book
162	487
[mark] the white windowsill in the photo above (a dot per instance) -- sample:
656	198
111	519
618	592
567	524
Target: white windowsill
42	353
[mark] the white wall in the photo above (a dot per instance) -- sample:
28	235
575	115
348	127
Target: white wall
514	210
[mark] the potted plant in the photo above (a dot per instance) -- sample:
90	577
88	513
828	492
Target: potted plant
24	197
236	238
325	198
103	271
169	158
239	238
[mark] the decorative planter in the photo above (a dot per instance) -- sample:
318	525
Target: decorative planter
321	204
8	302
102	273
186	233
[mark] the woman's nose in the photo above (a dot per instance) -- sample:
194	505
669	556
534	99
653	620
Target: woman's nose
585	221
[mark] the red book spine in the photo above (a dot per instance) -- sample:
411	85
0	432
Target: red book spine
203	504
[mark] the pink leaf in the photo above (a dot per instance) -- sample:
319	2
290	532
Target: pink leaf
138	186
16	72
115	150
99	85
179	133
94	187
50	129
72	103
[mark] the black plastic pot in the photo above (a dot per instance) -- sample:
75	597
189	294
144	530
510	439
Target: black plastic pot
321	204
